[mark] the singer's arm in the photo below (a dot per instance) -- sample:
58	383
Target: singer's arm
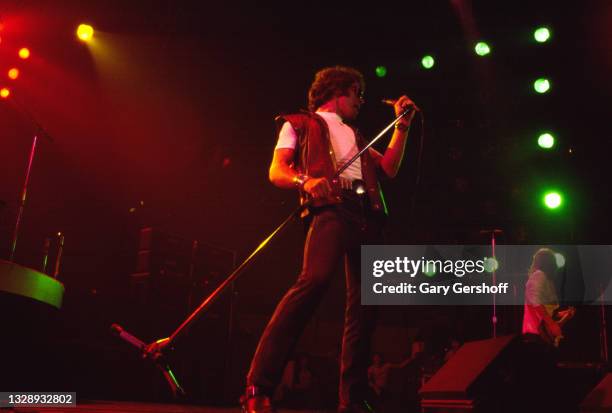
283	175
391	160
281	172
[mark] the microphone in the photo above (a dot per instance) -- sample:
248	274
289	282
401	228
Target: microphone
392	102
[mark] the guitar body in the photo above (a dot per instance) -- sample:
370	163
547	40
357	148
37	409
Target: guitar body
560	317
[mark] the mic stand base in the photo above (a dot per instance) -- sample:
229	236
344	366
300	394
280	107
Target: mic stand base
154	353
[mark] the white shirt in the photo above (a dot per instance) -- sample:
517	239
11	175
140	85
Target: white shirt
539	290
342	139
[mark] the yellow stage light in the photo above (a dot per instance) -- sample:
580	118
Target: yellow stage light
85	32
24	52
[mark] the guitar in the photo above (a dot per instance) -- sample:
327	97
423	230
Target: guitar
560	317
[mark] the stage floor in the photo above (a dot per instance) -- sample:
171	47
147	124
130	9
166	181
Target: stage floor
97	406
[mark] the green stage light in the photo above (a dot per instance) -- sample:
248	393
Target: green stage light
541	34
491	264
552	199
541	85
546	141
428	61
381	71
482	49
560	260
429	270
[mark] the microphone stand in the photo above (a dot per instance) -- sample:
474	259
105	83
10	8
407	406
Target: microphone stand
494	318
155	350
22	199
24	191
603	330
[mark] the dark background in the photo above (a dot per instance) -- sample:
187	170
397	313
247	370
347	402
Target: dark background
166	119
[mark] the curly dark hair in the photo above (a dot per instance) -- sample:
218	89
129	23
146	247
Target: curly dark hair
331	82
545	261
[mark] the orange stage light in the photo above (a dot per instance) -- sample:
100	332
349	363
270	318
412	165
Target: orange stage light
13	73
4	93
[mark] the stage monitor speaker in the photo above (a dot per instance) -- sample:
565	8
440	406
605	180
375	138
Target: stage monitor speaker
468	377
600	398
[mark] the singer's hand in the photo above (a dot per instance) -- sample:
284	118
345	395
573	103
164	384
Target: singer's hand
401	104
317	187
554	328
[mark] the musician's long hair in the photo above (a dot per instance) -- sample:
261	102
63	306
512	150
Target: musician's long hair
544	260
331	82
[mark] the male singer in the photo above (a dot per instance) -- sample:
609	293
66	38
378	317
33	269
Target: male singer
343	213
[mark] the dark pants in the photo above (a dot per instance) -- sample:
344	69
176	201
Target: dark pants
334	232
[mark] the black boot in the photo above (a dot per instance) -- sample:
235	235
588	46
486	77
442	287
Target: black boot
255	401
362	407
